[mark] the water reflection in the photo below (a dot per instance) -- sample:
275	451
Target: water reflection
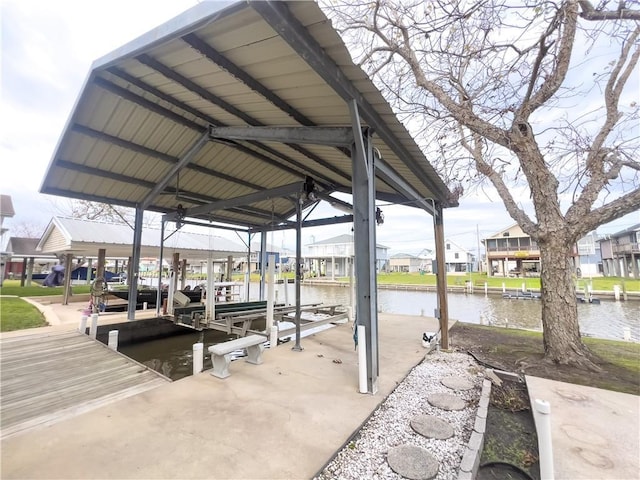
606	320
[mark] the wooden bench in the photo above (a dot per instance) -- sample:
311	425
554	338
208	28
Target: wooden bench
221	353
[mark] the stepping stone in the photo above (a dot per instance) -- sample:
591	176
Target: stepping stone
446	401
413	462
456	383
431	426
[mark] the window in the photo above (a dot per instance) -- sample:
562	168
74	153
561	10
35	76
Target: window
456	255
448	246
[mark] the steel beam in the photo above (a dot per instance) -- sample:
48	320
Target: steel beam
331	136
278	16
135	264
364	226
401	186
309	223
160	260
241	201
210	97
185	160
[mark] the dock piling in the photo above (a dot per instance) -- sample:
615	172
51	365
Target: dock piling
93	331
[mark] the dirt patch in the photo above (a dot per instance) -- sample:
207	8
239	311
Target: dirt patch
511	445
522	352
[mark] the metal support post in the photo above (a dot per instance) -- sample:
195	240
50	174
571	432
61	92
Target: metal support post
364	227
135	265
263	263
298	270
160	260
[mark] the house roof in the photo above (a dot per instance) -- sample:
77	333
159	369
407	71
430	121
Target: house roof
513	231
404	255
85	238
147	127
24	247
341	239
458	247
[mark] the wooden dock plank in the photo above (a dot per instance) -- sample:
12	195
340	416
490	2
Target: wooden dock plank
45	378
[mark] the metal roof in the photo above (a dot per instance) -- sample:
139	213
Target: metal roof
141	135
83	237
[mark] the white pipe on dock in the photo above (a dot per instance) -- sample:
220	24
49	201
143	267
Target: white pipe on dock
545	450
626	334
82	328
486	289
93	331
504	287
286	292
113	340
198	357
270	291
616	292
362	359
273	337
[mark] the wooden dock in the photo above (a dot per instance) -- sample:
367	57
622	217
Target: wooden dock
47	377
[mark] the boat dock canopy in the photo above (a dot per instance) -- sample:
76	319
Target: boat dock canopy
225	113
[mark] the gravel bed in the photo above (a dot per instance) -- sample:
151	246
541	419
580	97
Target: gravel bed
389	426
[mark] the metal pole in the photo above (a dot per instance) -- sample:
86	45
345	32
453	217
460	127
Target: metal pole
248	274
297	346
263	263
364	226
135	265
68	258
160	260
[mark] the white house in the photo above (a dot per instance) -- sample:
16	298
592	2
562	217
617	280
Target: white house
331	257
457	259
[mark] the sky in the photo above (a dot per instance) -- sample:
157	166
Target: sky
47	48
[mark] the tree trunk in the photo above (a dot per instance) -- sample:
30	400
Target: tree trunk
561	332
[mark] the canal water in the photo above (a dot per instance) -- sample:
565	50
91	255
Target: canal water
173	356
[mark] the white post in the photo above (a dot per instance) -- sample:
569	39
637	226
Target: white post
113	339
504	288
273	337
93	331
210	305
352	289
524	288
616	292
545	450
82	328
198	357
627	334
362	360
486	289
286	292
270	291
144	305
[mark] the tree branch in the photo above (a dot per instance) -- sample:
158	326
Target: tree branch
623	13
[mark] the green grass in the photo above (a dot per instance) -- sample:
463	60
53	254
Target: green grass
17	314
622	354
12	287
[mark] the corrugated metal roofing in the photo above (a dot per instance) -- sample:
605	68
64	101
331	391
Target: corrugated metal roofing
145	105
83	237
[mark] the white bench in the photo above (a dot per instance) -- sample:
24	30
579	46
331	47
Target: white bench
221	353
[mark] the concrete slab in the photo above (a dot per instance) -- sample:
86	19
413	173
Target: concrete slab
595	433
283	419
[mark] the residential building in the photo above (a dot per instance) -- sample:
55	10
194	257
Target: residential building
512	252
589	260
621	253
6	211
457	258
409	263
25	260
331	257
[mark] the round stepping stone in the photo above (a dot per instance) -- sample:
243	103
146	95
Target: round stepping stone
413	462
456	383
446	401
431	426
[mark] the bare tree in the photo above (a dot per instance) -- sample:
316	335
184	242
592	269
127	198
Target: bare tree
534	97
27	230
104	212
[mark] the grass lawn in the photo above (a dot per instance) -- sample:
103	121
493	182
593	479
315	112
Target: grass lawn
12	287
17	314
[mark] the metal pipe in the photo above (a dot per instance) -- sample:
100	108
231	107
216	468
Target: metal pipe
297	346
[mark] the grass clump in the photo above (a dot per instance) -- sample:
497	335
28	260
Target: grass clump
17	314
